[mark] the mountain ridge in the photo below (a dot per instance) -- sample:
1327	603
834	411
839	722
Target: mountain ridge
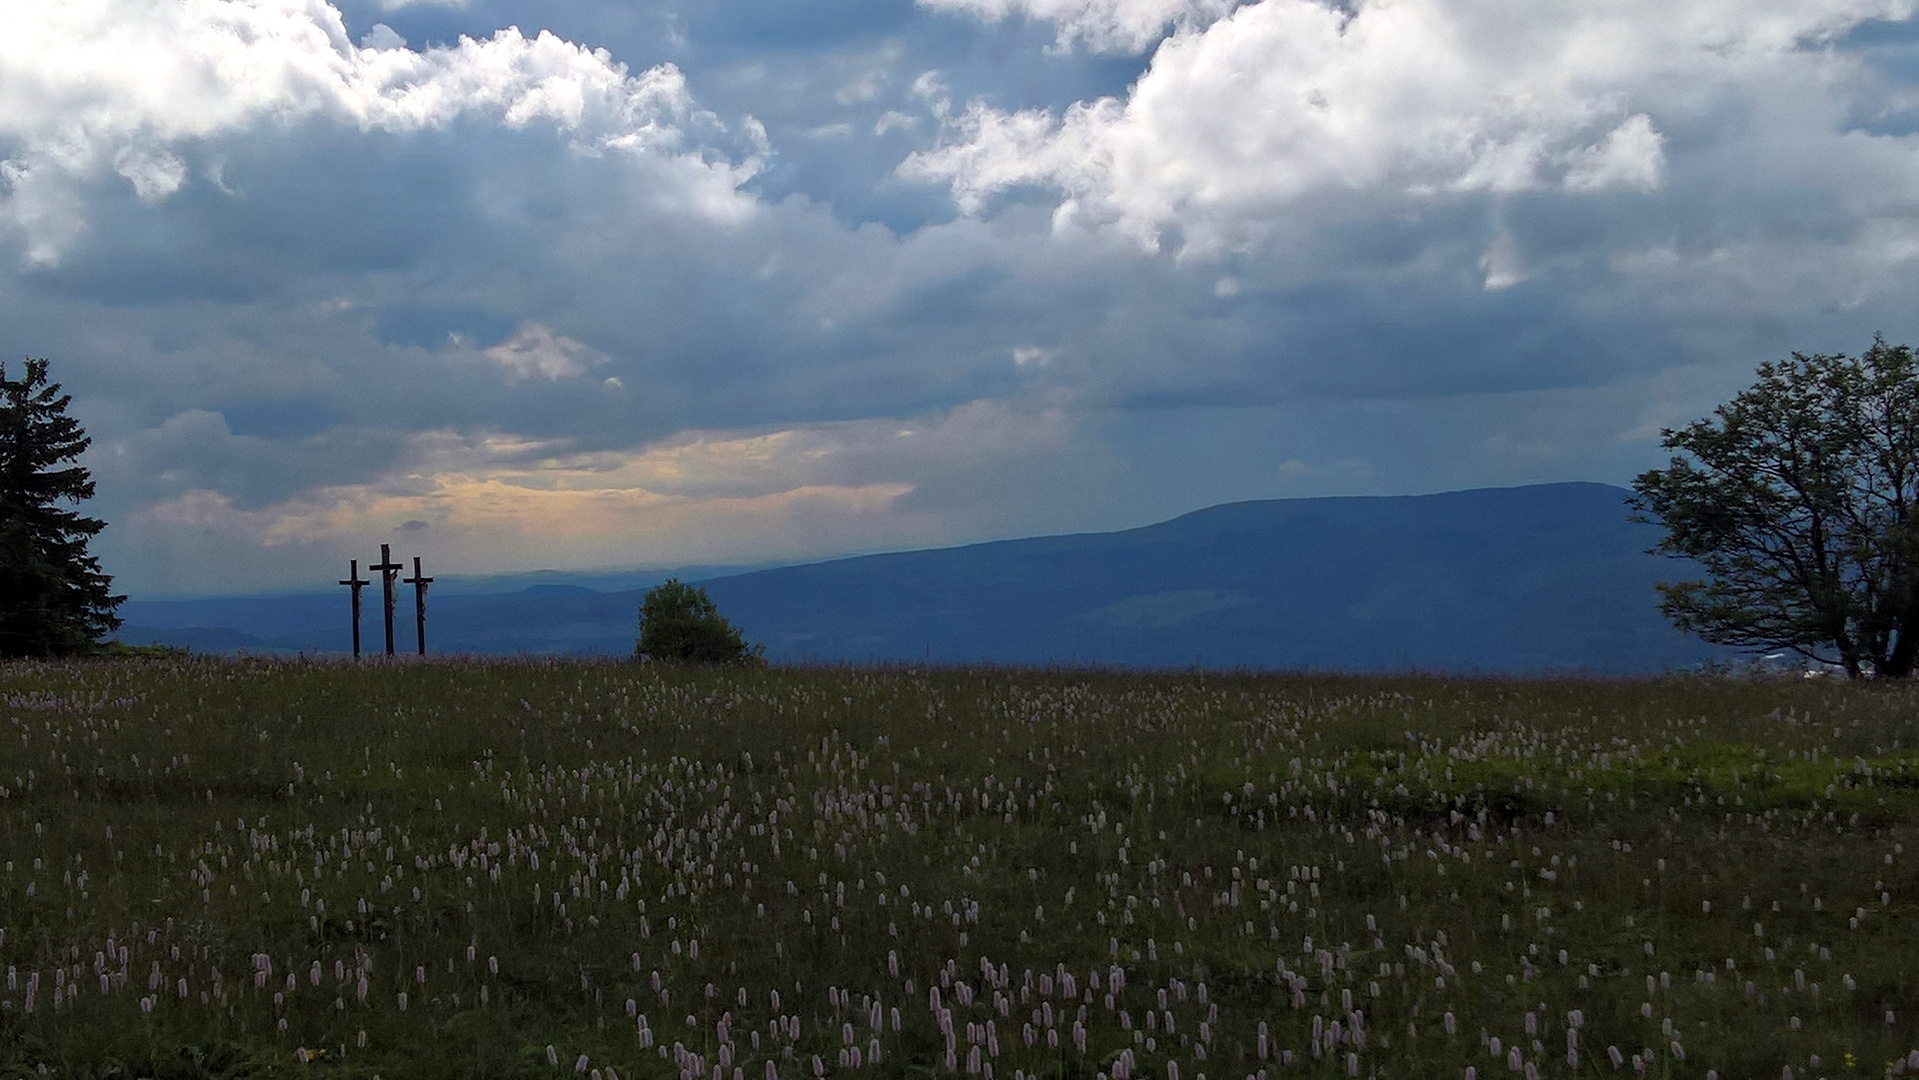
1530	579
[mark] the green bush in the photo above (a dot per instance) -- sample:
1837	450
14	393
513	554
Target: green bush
680	622
120	650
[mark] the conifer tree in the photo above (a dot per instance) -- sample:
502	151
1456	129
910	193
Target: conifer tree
54	599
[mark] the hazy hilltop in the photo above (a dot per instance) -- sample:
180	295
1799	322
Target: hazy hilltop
1543	578
1531	578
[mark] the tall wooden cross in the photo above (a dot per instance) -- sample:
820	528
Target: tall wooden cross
355	582
419	582
389	570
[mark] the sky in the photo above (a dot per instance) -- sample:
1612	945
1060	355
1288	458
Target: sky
524	284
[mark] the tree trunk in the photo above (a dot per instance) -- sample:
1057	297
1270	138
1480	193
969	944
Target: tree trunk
1848	654
1905	649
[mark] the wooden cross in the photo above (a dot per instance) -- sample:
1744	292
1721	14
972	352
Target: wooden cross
419	582
389	570
355	582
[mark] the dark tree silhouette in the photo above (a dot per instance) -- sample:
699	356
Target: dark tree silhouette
680	622
1799	497
54	599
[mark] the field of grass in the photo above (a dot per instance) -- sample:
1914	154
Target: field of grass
605	870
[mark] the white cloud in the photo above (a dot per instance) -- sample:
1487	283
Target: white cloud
153	174
382	36
533	351
930	88
1126	26
1628	159
894	120
1288	104
137	84
1132	25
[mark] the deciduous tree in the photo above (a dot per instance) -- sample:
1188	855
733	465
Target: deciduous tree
680	622
1798	499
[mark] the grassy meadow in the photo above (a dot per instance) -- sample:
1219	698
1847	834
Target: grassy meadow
607	870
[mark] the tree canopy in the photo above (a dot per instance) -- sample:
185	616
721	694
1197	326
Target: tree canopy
1797	498
680	622
54	598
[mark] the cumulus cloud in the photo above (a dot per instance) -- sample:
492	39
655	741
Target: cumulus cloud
1628	159
533	351
1283	103
137	86
382	36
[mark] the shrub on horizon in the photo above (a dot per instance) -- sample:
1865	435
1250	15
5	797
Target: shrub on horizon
680	623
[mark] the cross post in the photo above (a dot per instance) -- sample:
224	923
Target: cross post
389	571
419	582
355	582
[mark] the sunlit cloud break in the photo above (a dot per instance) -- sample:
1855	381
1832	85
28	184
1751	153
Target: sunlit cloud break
504	499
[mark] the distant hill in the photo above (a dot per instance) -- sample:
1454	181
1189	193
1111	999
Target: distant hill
1533	579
